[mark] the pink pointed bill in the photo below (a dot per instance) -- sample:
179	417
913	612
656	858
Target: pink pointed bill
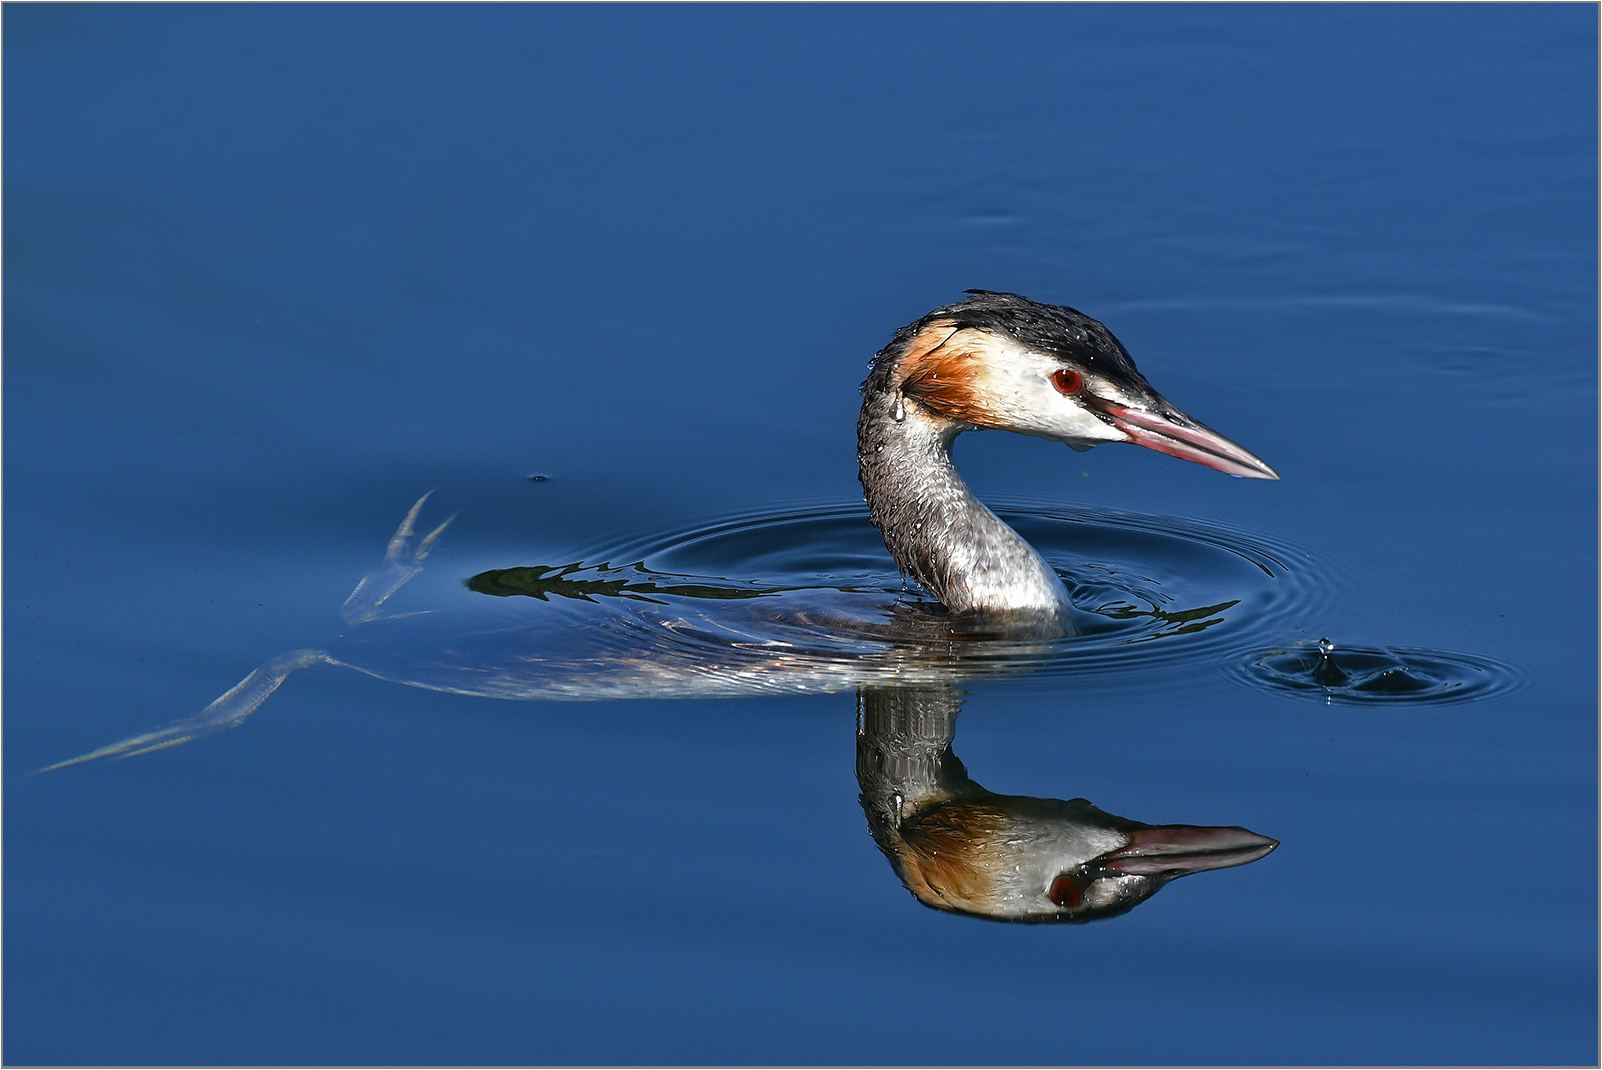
1180	436
1175	850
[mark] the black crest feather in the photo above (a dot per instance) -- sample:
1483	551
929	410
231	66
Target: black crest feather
1055	329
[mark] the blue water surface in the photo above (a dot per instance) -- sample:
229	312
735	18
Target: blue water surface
273	272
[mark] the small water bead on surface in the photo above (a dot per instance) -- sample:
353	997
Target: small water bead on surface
899	411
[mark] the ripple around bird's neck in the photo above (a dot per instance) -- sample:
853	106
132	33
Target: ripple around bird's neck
807	600
817	583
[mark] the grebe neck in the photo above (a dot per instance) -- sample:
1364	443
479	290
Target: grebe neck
937	531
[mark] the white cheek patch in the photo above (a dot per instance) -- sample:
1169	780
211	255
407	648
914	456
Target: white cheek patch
1015	385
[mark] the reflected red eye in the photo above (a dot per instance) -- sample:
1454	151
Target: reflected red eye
1064	892
1067	380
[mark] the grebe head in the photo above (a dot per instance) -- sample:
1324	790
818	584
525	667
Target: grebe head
998	360
1016	858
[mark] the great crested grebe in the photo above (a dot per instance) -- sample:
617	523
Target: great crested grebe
998	360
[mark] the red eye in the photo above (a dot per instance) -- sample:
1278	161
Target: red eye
1067	380
1064	892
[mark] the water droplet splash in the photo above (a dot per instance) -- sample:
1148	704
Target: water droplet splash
1366	676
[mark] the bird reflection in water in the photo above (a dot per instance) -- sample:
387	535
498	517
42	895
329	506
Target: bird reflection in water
960	848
